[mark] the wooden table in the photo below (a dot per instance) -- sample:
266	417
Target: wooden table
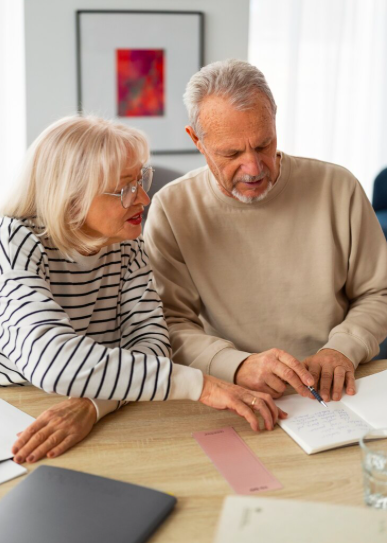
150	444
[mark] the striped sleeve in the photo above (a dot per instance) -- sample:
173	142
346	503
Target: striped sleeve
143	328
37	337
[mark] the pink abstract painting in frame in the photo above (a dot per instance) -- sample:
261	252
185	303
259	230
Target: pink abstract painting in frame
140	82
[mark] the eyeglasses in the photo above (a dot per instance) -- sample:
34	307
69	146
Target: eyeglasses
128	194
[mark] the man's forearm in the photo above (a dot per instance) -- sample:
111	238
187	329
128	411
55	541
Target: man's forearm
364	328
215	356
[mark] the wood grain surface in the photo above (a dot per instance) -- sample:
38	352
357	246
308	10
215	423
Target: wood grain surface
150	444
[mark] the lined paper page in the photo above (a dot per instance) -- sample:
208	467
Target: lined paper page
316	428
370	400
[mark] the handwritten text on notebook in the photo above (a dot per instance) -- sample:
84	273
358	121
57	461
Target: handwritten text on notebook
328	423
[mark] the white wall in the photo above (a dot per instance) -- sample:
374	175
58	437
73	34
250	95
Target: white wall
51	53
12	94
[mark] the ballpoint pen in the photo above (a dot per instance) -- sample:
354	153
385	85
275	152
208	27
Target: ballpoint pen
316	395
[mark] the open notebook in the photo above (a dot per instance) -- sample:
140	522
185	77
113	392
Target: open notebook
316	428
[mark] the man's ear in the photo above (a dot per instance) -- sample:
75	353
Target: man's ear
191	132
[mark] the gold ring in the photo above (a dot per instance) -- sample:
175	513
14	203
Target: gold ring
254	401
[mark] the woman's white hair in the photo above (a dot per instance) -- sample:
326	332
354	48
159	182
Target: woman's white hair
236	80
72	161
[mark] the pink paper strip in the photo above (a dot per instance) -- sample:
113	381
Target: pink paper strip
235	461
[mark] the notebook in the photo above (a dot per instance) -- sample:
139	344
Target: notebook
251	520
12	421
10	470
316	428
60	505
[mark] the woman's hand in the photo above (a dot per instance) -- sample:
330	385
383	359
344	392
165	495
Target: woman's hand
222	395
55	430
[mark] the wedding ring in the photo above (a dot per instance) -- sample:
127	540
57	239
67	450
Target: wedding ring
254	401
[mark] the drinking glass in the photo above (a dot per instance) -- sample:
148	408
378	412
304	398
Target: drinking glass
374	461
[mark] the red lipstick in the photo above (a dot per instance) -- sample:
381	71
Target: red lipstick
135	220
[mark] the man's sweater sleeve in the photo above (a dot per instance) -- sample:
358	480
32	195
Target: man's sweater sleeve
191	345
365	325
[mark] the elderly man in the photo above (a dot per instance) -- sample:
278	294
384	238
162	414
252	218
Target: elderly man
267	264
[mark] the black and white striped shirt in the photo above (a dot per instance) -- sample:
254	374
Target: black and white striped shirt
89	327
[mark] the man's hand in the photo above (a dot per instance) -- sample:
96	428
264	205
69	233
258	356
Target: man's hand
270	371
333	371
55	430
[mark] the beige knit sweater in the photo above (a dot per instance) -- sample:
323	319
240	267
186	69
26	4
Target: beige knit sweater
303	269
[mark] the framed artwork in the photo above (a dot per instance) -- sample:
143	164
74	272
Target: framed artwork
133	66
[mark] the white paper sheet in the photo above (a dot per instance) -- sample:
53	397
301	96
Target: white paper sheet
12	421
370	400
253	520
9	470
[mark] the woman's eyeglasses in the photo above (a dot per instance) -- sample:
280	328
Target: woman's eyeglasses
128	194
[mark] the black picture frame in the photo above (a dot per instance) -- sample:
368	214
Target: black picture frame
179	33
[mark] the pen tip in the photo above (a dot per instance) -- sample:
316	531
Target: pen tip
324	404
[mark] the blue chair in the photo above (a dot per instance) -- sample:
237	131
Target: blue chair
379	203
379	199
383	351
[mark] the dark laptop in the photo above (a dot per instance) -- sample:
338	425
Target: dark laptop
55	505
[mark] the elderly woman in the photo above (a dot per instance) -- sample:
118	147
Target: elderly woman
79	314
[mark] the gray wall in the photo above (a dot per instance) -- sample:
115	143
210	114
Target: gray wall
51	53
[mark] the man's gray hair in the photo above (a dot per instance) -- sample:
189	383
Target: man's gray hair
236	80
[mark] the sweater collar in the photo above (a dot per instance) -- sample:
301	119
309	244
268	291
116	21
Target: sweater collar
277	189
88	262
